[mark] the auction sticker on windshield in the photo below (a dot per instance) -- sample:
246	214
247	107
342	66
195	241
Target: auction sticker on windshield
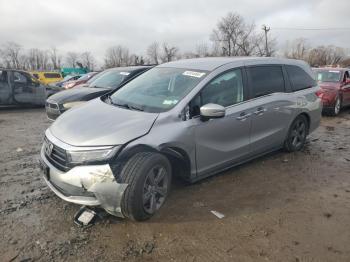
125	73
170	102
193	74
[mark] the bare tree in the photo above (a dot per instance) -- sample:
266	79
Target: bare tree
326	55
297	49
11	55
37	59
169	53
72	59
88	60
136	60
234	37
153	52
188	55
230	34
117	56
260	45
55	58
202	50
346	62
315	56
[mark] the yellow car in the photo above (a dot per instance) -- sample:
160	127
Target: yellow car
47	77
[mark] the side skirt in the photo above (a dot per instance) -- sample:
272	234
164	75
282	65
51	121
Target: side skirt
231	165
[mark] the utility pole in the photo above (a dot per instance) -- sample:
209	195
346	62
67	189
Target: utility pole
266	30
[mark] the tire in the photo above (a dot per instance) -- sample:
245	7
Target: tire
297	134
148	176
336	108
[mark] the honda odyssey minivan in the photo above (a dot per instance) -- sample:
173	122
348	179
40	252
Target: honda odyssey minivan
190	119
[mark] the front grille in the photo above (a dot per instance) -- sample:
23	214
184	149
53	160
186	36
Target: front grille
56	156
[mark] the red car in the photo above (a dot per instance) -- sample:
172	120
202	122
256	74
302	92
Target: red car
335	88
82	80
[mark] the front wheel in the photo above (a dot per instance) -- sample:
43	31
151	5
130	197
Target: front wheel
336	108
148	176
297	134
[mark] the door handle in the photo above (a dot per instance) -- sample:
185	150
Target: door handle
260	111
243	116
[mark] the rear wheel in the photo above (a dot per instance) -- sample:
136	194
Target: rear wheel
297	134
148	176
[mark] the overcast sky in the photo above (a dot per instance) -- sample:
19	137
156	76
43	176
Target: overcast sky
85	25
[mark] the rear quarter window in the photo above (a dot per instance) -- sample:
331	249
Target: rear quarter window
52	75
299	78
265	80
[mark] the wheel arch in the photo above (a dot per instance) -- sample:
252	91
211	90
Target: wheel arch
308	119
178	158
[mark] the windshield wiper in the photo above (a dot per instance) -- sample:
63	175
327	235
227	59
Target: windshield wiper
135	108
95	86
127	106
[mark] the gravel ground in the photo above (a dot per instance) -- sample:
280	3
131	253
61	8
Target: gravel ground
282	207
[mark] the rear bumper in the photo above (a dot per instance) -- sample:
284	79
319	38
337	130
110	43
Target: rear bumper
85	185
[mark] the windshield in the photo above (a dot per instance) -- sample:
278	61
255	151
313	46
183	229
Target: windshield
109	79
68	77
328	75
157	90
84	77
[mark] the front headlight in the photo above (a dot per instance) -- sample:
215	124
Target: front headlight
97	155
72	104
69	85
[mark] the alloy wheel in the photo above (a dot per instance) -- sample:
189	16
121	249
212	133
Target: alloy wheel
298	133
337	106
155	189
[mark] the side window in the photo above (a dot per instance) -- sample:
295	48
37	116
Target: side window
20	78
3	80
3	76
225	90
299	78
346	76
266	80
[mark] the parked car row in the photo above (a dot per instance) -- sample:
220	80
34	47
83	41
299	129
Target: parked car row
103	83
190	118
22	88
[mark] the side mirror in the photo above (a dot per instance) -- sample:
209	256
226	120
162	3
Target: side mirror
210	111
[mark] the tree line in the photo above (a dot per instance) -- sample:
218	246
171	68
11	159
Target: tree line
232	36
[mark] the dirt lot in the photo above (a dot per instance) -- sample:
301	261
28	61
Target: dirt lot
283	207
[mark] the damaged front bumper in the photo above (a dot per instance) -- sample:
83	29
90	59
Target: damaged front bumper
91	185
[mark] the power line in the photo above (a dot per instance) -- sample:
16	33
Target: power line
310	29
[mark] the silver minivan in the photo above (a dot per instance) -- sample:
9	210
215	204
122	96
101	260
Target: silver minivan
190	119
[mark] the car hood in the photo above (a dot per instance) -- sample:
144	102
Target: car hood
329	85
77	94
99	124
